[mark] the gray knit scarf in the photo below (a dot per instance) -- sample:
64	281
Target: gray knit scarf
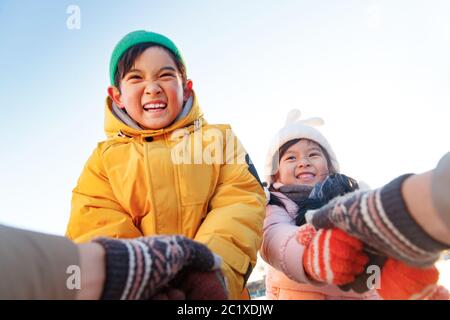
296	192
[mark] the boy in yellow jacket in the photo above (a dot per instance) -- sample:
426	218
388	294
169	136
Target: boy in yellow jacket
163	168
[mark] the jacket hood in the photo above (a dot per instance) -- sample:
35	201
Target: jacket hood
114	125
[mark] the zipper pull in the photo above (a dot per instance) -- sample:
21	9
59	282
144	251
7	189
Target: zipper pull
197	124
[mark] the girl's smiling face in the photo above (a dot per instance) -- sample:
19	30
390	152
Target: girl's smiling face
303	163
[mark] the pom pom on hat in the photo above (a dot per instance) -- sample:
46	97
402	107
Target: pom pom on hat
295	115
296	129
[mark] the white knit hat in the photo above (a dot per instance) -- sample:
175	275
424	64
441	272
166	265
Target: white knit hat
296	129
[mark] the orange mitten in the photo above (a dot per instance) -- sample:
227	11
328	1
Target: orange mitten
400	281
331	255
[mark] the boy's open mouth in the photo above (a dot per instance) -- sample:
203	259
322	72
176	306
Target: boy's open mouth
154	106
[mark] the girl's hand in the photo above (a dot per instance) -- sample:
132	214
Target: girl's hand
331	255
381	219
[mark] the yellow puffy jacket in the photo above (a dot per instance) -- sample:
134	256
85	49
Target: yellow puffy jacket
147	182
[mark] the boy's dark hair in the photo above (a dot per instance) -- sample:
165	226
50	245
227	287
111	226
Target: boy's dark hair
274	200
128	58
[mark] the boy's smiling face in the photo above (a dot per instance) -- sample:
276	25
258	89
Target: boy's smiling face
152	91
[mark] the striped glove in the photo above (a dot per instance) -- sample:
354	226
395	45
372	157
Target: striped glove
381	219
136	269
331	256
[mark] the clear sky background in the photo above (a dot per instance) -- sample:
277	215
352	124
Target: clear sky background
378	72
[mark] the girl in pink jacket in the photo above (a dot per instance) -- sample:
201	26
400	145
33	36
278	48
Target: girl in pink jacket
319	267
302	173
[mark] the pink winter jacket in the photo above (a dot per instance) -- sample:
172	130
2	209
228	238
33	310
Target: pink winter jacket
286	278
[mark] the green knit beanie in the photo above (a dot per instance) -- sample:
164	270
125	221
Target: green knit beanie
137	37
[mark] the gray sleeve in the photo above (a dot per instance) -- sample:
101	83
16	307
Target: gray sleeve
441	189
34	265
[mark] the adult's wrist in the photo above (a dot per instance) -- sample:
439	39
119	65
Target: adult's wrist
403	214
92	271
440	186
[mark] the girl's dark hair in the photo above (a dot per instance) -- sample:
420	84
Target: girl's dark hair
127	60
274	200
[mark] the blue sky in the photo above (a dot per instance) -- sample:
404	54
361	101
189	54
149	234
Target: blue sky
378	72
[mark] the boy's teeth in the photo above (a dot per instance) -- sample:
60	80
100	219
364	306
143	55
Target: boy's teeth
154	105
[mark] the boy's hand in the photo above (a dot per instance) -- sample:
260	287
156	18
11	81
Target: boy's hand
332	256
169	293
137	269
201	285
402	282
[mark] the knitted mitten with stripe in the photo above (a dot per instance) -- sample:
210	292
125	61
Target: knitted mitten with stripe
334	257
331	256
138	268
381	219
